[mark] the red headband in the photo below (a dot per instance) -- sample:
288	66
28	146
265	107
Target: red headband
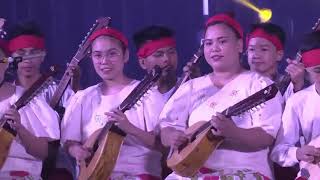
226	19
311	58
259	32
4	47
26	41
150	47
109	32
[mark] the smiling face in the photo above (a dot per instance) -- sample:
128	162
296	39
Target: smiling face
109	57
222	47
263	57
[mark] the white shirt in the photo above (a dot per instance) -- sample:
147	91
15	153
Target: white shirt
49	91
197	100
300	118
85	115
39	119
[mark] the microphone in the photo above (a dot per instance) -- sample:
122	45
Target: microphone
11	59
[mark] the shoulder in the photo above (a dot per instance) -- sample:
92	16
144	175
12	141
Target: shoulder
89	92
301	96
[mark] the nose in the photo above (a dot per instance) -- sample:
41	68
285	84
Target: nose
165	61
215	47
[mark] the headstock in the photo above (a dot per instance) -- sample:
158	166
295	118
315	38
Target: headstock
316	26
102	22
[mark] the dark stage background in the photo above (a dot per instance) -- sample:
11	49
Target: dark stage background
65	23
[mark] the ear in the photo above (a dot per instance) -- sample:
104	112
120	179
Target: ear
240	45
279	55
142	62
126	56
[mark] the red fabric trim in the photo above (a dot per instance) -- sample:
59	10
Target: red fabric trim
19	173
311	58
205	170
150	47
226	19
26	41
109	32
263	34
148	177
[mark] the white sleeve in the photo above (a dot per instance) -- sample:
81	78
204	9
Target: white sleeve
152	107
268	115
284	151
289	92
176	111
72	120
66	97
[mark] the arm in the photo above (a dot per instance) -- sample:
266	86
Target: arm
121	120
284	151
35	146
253	138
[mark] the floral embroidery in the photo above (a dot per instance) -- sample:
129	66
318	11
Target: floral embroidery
234	93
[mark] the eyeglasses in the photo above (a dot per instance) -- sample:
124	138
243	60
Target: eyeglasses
110	55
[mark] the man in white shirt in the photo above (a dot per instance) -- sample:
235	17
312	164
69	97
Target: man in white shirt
301	115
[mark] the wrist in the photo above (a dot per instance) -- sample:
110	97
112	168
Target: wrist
19	127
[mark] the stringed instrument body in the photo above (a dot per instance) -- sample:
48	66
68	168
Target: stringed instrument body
312	170
191	156
7	133
106	143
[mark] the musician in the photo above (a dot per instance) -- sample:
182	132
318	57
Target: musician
28	42
90	109
244	152
301	115
156	45
36	124
265	50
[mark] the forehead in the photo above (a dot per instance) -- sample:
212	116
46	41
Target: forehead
165	49
218	31
105	43
259	42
